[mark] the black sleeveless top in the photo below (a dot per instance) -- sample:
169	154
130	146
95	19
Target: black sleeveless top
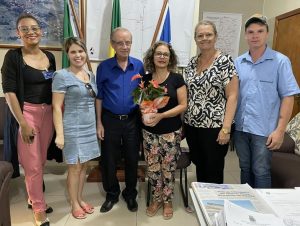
37	84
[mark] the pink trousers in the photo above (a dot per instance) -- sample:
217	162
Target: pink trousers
33	156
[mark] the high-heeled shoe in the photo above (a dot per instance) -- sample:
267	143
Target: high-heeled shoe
48	210
46	222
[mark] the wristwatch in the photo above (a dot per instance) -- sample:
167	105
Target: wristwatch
225	131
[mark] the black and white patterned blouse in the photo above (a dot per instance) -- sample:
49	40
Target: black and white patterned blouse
206	92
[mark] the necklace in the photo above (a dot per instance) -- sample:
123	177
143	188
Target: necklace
204	64
160	78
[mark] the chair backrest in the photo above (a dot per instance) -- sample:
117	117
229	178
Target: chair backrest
288	145
184	159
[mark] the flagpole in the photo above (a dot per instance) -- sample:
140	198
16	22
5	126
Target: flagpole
163	9
79	31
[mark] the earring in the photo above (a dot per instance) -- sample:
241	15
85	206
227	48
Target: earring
19	36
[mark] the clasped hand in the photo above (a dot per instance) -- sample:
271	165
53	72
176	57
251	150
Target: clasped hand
153	119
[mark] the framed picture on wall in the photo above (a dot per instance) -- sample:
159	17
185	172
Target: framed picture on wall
50	14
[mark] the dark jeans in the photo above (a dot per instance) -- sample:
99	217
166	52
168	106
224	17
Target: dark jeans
206	153
117	133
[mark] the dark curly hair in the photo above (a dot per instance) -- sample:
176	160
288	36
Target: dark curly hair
149	57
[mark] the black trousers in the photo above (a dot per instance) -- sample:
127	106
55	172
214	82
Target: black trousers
206	153
120	135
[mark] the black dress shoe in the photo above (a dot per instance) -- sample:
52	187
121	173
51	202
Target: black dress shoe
108	205
48	210
132	205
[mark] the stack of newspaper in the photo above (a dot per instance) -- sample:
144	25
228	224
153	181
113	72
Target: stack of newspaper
239	204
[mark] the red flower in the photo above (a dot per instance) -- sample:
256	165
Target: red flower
154	83
137	76
150	97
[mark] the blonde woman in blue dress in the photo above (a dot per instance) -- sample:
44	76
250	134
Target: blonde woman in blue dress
74	93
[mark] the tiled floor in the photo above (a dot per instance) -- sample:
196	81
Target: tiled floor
56	196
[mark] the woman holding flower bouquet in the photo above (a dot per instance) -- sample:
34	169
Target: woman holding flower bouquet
163	94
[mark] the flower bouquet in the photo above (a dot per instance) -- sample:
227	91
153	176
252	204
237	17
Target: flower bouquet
150	97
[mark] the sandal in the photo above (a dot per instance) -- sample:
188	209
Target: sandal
79	214
88	208
168	211
153	208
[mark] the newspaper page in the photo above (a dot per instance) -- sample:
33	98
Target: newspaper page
237	216
285	203
211	198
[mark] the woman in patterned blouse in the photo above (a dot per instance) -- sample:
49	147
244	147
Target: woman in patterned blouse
212	84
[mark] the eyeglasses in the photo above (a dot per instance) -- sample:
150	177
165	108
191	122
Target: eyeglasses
90	89
200	37
122	43
26	29
161	55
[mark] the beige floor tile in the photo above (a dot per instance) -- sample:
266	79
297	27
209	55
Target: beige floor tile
56	196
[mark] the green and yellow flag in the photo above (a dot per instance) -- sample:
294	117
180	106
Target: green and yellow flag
67	32
115	22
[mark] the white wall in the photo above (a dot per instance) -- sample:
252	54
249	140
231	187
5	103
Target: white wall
244	7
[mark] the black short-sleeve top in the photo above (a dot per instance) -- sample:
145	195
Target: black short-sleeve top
167	125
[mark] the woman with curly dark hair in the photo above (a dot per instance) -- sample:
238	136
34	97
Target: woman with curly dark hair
162	133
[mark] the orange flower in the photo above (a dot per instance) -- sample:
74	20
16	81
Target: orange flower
150	96
137	76
154	83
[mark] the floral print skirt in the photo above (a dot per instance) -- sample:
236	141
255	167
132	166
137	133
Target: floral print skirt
161	154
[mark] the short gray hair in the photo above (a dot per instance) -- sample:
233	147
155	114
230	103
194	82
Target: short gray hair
114	31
